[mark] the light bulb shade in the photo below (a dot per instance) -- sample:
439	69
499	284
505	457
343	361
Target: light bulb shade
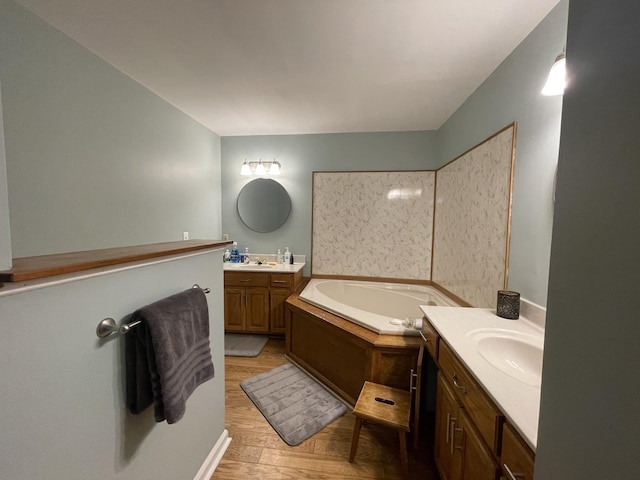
556	81
260	169
275	168
246	169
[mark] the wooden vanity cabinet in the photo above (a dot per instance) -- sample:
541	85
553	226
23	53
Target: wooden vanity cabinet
477	461
471	433
281	286
246	302
447	415
254	301
431	339
468	425
484	414
460	452
517	458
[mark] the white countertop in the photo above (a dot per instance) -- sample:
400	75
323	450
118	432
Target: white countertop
518	401
254	267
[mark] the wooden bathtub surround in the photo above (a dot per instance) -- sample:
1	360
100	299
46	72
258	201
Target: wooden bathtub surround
344	355
472	439
254	301
31	268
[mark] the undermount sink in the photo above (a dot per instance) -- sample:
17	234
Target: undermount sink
517	354
249	265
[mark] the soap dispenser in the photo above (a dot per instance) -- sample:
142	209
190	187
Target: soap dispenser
287	256
235	255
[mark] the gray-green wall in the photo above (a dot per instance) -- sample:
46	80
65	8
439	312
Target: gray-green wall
300	155
590	415
62	407
5	235
511	93
94	159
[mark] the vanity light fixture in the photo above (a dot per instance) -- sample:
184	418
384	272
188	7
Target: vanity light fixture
246	169
260	168
274	169
556	81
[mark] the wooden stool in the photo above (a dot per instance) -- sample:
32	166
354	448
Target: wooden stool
393	411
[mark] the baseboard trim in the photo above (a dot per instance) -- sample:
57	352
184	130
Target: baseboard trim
214	457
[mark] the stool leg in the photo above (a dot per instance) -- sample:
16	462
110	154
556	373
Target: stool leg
403	453
354	439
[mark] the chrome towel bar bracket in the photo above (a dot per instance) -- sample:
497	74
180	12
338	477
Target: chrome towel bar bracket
107	326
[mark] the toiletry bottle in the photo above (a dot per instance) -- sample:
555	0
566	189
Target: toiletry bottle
278	257
291	262
287	256
235	255
246	257
227	256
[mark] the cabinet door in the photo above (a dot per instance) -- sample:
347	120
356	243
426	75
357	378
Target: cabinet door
234	309
278	297
257	310
448	458
477	460
517	458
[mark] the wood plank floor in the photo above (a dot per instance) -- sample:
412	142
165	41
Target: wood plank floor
257	452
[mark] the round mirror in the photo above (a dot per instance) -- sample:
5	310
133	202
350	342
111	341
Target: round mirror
263	205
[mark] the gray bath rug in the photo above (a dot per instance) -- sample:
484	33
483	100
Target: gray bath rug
243	345
293	403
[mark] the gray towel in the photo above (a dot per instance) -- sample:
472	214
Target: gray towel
167	354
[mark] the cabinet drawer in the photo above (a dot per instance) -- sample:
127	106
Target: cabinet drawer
282	280
479	407
432	337
246	279
517	457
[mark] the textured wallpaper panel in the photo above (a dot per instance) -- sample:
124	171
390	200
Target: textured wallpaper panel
373	224
473	201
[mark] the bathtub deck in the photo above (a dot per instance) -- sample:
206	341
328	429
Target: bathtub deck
256	450
376	339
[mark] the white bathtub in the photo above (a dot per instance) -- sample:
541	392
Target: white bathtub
374	305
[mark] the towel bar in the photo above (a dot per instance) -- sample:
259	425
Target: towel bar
107	326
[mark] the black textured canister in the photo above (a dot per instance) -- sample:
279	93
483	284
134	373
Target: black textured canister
508	304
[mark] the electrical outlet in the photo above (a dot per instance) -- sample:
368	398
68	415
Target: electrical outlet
185	235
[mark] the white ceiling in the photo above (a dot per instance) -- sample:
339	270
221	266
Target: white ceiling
250	67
